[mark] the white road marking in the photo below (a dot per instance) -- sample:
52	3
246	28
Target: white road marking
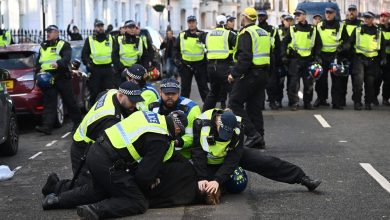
16	169
300	94
322	121
51	143
65	135
376	175
343	141
35	155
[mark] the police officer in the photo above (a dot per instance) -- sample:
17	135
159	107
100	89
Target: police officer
230	21
5	38
300	48
351	22
331	33
219	44
189	56
110	109
369	53
54	57
218	150
124	162
128	50
137	73
384	25
275	60
171	101
250	75
317	18
97	56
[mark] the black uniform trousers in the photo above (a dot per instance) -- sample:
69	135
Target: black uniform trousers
247	99
321	85
386	80
101	79
63	87
275	84
365	71
218	73
298	68
199	70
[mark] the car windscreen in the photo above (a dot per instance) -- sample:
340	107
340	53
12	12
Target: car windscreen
17	60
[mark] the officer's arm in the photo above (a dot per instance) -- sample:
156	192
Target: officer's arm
97	128
155	146
86	52
318	44
382	51
38	66
277	48
66	56
232	39
231	162
285	42
202	37
149	97
244	55
68	30
199	156
188	136
176	54
115	56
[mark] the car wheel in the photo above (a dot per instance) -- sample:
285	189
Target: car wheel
60	112
10	146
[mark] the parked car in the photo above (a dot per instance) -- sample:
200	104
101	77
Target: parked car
20	60
9	135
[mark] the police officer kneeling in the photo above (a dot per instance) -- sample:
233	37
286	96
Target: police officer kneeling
123	162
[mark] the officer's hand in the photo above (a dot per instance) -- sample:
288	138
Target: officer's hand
383	62
202	185
212	187
155	184
230	78
285	61
54	65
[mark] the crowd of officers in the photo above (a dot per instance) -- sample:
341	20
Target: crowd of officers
138	147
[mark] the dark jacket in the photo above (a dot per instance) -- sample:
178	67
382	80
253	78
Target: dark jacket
276	50
176	48
86	52
73	36
144	59
63	63
168	44
199	156
306	27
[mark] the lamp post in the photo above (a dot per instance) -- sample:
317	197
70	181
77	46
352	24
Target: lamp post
43	18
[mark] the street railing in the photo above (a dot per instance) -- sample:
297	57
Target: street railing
20	36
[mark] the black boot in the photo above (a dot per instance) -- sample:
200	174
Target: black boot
43	129
386	102
294	107
375	101
279	104
51	201
87	212
273	105
50	185
339	107
308	106
358	106
255	141
317	103
368	106
309	183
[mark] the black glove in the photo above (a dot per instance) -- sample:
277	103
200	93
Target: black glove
318	60
383	62
285	60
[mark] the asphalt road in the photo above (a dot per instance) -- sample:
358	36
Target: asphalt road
332	153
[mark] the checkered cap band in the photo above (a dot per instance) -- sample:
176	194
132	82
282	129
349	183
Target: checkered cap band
130	92
170	85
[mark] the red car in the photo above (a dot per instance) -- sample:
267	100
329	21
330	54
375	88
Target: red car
20	61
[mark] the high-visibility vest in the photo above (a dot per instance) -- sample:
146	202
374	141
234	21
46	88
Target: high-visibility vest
102	108
192	110
367	44
101	51
261	44
50	55
5	39
191	48
129	53
145	41
273	36
123	134
217	44
350	28
301	41
386	36
282	34
150	95
330	37
215	153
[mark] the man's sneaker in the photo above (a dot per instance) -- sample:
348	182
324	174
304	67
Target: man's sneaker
294	107
51	201
308	106
273	105
50	185
358	106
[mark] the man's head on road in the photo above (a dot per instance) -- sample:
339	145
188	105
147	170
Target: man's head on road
352	12
192	23
249	16
384	18
330	14
52	32
180	121
170	92
136	73
368	18
129	93
99	27
262	16
226	123
288	21
130	27
300	15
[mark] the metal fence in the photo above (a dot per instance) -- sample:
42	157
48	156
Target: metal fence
21	36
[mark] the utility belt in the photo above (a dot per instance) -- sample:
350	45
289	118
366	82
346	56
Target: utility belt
110	65
367	59
121	158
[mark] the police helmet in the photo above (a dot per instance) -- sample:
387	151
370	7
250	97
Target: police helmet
238	181
45	80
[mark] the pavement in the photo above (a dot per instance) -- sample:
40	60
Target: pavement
348	150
